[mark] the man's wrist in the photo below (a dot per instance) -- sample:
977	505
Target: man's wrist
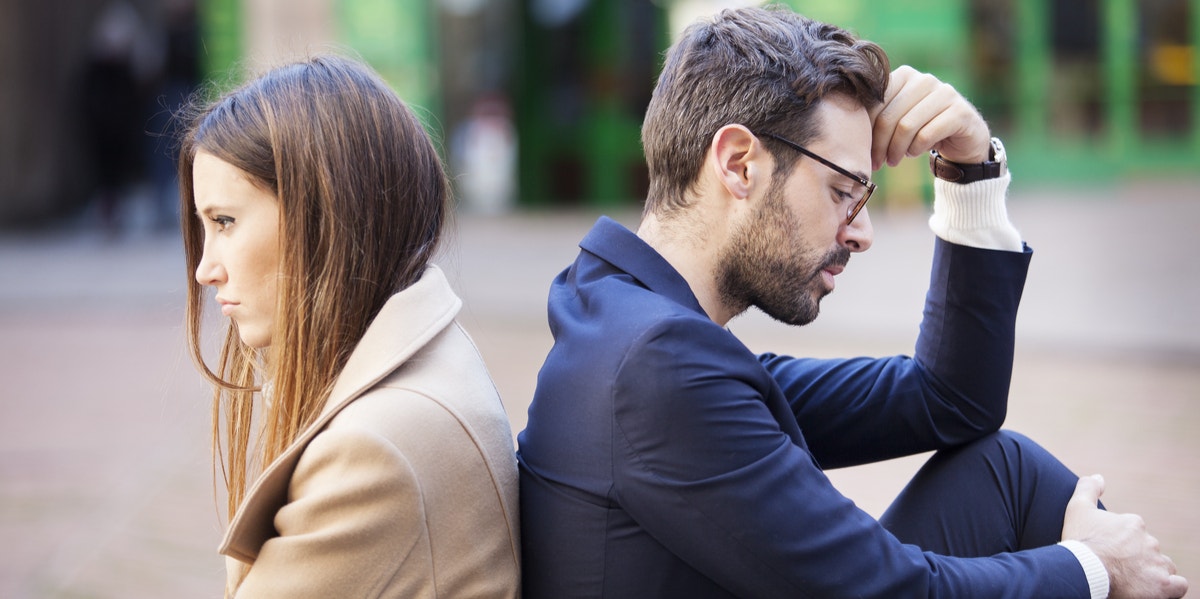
994	167
1093	568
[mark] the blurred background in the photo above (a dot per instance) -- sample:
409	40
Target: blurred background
548	95
105	472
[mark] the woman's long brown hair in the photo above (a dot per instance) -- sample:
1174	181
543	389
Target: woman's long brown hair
363	198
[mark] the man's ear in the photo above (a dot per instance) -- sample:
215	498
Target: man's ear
737	160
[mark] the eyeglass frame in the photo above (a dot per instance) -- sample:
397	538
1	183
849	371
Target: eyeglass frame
859	204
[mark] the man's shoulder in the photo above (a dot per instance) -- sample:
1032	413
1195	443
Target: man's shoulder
621	310
620	328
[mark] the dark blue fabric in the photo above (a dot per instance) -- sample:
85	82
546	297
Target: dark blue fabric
1002	493
662	458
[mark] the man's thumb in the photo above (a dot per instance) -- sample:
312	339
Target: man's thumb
1089	489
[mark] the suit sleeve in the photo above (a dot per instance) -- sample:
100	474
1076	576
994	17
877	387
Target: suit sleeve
353	523
703	465
953	390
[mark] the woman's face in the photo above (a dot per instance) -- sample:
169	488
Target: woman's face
241	245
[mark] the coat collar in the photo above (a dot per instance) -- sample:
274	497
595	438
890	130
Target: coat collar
405	324
612	242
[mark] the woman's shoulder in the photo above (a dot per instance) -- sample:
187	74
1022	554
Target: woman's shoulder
454	437
420	406
448	371
442	395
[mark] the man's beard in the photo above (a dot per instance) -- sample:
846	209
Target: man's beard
767	265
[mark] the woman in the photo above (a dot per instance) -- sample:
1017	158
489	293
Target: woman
315	203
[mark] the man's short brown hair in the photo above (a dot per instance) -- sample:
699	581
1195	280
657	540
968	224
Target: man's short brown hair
764	68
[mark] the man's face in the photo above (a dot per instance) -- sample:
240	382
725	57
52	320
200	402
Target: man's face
783	257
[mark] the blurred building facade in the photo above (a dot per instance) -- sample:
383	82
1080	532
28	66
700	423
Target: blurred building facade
539	102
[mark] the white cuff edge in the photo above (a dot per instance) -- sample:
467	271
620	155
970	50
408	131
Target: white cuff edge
1093	568
975	214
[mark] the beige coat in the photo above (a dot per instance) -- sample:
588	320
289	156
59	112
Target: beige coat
406	486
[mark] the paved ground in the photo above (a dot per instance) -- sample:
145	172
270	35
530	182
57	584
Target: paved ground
105	477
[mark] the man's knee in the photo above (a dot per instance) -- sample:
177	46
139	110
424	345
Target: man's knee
1009	456
1006	442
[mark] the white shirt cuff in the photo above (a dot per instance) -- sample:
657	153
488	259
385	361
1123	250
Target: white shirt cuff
1093	568
975	214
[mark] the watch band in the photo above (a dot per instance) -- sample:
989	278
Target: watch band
956	172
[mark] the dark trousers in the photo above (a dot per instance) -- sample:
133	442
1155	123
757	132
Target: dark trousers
1001	493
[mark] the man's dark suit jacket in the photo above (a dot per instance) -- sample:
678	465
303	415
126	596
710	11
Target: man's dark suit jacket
662	458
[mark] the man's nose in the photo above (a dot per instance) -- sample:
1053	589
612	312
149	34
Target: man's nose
858	235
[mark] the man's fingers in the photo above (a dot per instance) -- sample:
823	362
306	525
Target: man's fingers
920	112
932	123
1180	584
907	89
898	78
1177	586
918	126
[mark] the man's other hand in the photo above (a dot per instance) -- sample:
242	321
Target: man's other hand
1136	567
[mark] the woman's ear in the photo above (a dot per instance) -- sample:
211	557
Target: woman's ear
735	158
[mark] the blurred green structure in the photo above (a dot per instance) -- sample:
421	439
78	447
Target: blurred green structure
1079	89
583	88
397	37
221	38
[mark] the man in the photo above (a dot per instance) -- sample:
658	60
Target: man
663	459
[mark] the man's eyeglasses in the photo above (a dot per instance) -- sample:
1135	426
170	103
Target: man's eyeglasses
861	192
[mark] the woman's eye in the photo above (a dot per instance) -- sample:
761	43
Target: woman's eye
223	222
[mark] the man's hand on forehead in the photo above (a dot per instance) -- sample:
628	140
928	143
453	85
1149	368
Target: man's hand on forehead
920	113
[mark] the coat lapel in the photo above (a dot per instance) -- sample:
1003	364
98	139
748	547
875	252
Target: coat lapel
405	324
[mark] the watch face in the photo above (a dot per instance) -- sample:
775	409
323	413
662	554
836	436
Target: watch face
997	151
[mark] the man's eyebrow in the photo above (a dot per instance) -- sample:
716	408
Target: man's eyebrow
841	175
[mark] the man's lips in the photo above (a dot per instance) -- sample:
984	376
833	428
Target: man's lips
829	271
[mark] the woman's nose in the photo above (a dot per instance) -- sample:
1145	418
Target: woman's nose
209	271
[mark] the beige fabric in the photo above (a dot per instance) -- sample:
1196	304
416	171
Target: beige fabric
407	484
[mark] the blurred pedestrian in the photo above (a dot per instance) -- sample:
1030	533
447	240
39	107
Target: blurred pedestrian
113	105
484	153
316	202
177	77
